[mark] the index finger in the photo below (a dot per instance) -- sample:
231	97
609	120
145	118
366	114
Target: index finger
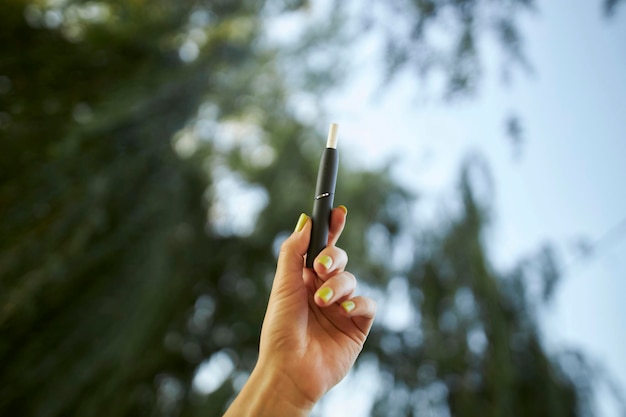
337	223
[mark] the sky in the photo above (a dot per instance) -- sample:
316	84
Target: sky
565	185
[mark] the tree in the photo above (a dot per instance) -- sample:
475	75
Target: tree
127	130
476	340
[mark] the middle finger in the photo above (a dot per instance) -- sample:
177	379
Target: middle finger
331	260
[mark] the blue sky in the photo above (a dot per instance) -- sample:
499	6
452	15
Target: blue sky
568	182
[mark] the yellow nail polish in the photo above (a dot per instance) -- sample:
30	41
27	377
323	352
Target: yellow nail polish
344	208
325	260
325	294
348	306
301	222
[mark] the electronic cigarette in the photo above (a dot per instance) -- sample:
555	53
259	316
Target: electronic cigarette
324	196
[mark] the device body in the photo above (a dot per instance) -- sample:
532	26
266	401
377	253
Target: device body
323	203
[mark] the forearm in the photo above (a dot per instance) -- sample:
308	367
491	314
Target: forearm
268	394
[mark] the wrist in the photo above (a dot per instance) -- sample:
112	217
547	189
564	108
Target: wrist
269	393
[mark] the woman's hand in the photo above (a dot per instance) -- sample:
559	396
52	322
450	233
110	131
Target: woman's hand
313	331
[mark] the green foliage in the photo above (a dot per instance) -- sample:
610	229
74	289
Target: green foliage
99	214
439	40
151	164
473	332
610	6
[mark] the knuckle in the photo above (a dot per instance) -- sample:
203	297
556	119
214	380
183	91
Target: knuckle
285	246
350	279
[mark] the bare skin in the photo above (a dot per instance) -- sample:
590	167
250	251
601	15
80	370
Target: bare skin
313	331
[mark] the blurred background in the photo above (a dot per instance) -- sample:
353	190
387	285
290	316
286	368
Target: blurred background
155	155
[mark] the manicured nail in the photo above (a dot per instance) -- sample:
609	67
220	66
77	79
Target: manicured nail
344	208
301	222
325	260
348	305
325	294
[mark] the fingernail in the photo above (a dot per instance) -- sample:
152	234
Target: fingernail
344	208
348	306
325	294
325	260
301	222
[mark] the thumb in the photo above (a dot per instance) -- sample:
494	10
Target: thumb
292	252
